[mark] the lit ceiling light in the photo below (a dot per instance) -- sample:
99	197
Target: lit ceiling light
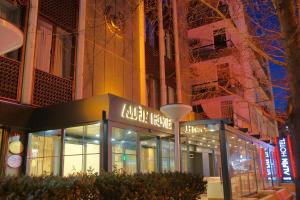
129	132
232	137
203	138
113	139
98	135
213	140
208	145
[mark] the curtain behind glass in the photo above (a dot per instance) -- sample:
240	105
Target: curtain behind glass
58	56
43	46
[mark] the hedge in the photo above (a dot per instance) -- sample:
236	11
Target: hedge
107	186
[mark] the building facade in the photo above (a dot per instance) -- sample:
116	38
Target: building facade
231	80
84	91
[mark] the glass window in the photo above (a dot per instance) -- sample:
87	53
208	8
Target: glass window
43	156
82	149
148	154
53	50
168	154
124	150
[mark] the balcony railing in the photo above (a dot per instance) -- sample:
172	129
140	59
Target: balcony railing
211	51
213	89
199	14
9	78
50	89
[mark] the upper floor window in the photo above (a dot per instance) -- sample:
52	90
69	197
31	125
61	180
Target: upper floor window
53	53
220	40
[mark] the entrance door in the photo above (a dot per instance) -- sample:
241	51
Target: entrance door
148	154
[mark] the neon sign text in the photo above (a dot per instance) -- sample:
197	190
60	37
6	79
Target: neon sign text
140	114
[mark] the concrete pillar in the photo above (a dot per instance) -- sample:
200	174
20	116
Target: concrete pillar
28	70
162	71
143	87
80	51
177	57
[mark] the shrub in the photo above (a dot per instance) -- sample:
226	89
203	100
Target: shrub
106	186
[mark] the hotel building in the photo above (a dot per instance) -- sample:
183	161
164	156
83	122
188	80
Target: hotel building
83	94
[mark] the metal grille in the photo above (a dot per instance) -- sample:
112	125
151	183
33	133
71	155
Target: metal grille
61	12
50	89
9	77
227	109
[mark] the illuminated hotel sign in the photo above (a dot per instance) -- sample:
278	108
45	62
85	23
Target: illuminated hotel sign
192	129
285	163
145	116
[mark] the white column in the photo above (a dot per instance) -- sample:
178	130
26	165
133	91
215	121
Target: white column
177	146
28	70
162	71
80	51
177	57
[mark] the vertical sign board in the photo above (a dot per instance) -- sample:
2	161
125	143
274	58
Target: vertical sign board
285	162
268	164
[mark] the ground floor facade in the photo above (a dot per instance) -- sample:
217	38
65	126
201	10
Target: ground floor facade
112	134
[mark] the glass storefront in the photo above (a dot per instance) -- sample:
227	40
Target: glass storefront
44	151
81	151
250	163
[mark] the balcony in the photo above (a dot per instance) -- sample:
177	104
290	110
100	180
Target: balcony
213	90
199	14
9	78
207	52
50	89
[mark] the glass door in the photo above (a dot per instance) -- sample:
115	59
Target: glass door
124	150
148	154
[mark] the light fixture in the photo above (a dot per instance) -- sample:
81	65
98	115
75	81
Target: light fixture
98	135
232	137
129	132
113	139
203	138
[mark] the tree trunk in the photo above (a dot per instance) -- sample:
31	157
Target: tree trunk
288	24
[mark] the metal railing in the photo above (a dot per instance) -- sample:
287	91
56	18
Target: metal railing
211	51
9	78
213	89
50	89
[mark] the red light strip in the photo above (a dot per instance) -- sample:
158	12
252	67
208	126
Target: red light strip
291	155
262	152
277	158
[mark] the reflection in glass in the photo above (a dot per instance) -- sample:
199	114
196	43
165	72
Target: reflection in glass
124	146
43	157
148	145
168	154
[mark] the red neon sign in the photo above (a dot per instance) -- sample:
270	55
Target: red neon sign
277	158
263	160
291	155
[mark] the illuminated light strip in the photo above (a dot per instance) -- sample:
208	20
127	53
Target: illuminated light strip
262	152
277	158
291	155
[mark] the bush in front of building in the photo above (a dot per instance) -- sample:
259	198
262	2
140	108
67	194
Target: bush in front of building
106	186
